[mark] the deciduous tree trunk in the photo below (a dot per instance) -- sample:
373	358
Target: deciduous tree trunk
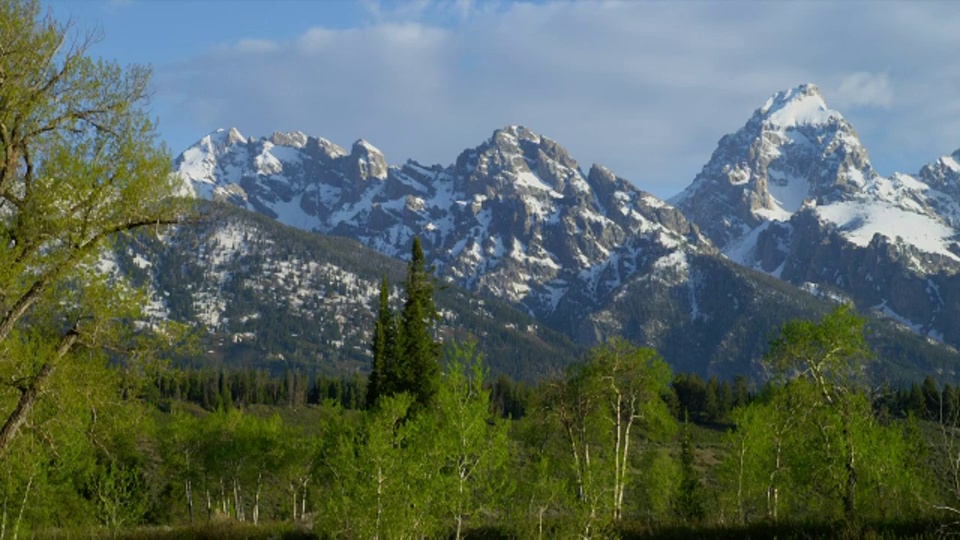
189	488
30	392
256	499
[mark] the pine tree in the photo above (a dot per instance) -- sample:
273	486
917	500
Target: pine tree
726	398
689	501
383	347
225	401
741	391
711	400
914	401
405	355
931	398
949	397
418	367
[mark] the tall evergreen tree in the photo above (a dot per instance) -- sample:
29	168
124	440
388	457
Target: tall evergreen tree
949	397
741	391
689	497
418	366
406	358
711	400
383	347
931	399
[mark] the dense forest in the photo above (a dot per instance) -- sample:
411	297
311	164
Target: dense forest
431	446
618	446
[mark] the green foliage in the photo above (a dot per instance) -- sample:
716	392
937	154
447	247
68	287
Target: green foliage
603	409
657	487
689	498
811	447
442	469
471	443
79	165
832	352
119	495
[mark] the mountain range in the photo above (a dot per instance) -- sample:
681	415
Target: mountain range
793	194
787	218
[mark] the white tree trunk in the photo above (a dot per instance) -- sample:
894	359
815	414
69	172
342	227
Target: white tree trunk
303	498
293	491
23	504
256	499
379	499
189	489
223	498
236	500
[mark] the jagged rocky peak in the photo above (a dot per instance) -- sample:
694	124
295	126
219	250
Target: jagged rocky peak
600	175
233	136
325	150
367	161
519	157
794	148
510	135
943	172
221	139
802	105
533	147
295	139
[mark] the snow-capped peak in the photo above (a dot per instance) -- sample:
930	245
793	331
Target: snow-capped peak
233	136
363	146
801	105
516	132
952	161
792	149
220	139
515	217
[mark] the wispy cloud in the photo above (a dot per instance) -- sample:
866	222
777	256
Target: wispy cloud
864	89
646	88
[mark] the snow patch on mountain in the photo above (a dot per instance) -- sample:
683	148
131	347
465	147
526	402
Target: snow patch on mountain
860	220
511	216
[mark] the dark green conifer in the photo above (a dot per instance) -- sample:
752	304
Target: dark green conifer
405	355
711	400
418	366
741	391
383	347
689	500
931	398
950	410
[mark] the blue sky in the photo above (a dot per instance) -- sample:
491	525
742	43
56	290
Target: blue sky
645	88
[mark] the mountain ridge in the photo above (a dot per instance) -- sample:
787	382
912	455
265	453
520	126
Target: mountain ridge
847	226
514	217
517	218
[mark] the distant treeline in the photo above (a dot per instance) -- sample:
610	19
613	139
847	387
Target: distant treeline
225	389
701	401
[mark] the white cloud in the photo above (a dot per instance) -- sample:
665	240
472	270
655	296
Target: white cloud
864	89
646	88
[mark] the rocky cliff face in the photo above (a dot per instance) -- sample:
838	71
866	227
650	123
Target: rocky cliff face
515	217
791	150
793	194
265	295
